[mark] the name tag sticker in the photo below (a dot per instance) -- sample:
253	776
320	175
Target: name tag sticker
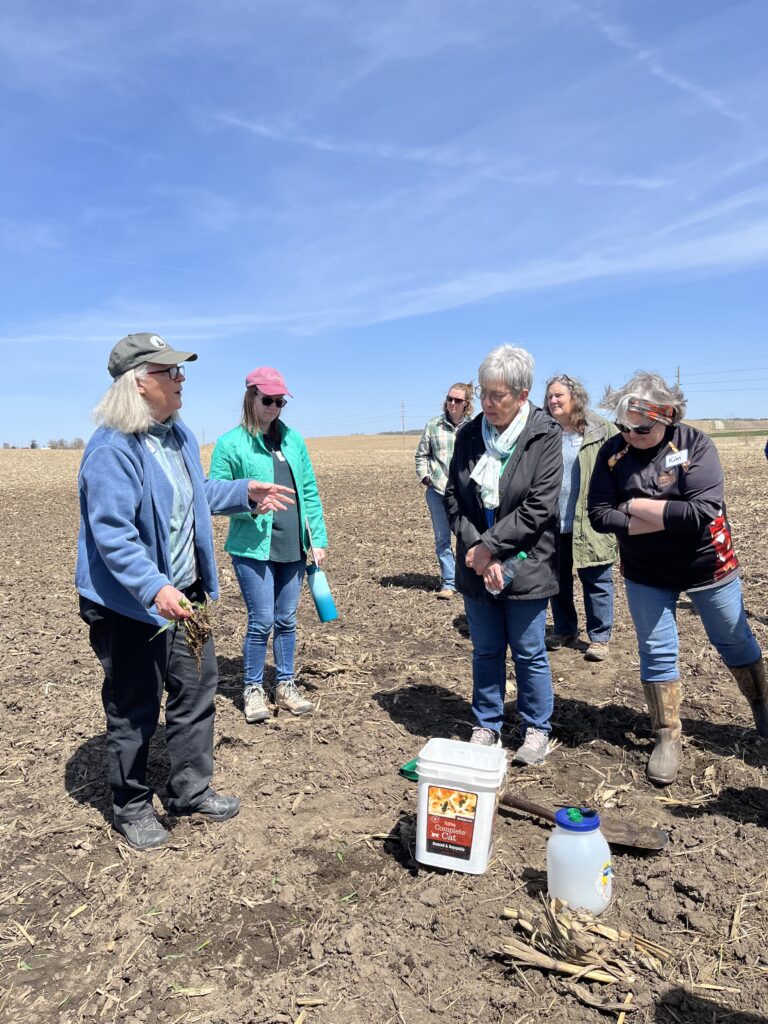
279	456
676	459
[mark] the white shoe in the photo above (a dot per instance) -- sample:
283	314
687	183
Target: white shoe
255	704
288	698
534	748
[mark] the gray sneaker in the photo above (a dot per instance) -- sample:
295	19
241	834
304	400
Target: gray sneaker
597	651
288	698
255	704
145	833
534	748
485	737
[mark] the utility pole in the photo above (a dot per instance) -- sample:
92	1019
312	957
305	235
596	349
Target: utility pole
678	376
402	420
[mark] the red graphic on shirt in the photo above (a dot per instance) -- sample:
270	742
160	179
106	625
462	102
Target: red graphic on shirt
721	539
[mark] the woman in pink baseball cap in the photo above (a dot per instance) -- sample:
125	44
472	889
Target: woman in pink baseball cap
269	551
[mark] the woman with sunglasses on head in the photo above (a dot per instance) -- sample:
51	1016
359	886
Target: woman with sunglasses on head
433	457
269	551
658	486
145	554
590	553
503	487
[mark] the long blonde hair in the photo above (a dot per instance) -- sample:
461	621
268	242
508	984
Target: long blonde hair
250	421
123	407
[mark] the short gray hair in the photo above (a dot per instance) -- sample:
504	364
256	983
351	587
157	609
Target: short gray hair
649	387
122	407
513	366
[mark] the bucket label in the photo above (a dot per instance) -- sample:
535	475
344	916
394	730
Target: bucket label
450	822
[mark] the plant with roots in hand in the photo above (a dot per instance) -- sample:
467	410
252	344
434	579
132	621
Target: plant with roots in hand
197	628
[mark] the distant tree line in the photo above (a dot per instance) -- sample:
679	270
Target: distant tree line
76	444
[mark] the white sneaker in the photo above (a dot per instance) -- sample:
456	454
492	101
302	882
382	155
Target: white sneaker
485	737
288	698
255	704
534	748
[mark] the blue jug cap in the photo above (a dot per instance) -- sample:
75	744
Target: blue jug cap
577	819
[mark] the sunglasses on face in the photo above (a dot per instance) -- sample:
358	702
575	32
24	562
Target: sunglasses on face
455	401
626	428
174	372
268	400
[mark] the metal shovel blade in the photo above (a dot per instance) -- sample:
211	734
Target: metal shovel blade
616	832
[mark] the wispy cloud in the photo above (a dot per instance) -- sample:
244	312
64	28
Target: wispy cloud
719	252
621	37
30	235
450	157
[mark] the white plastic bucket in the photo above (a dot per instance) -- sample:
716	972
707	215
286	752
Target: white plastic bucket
458	790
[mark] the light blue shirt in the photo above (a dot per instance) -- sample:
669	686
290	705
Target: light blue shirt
165	449
571	479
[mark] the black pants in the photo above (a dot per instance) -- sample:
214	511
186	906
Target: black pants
137	669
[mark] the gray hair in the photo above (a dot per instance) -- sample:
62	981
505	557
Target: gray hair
578	393
122	407
513	366
649	387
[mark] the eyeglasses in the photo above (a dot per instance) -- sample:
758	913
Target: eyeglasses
455	401
268	400
626	428
174	372
494	397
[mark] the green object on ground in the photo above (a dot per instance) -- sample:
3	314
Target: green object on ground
408	771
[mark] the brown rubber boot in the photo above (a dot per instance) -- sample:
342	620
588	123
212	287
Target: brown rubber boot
663	700
753	684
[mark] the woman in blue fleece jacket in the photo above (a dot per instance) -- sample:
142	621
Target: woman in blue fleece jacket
145	551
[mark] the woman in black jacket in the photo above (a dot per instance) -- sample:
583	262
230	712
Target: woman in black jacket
658	486
502	501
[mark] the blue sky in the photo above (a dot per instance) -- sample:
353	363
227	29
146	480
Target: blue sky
371	196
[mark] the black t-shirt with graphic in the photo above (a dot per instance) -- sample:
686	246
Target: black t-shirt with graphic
695	549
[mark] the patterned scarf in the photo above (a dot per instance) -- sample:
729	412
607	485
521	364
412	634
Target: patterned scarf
487	472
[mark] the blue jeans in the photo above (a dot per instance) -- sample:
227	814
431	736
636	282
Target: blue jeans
722	614
271	594
597	584
494	625
442	533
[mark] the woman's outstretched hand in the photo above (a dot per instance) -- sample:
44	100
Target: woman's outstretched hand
270	497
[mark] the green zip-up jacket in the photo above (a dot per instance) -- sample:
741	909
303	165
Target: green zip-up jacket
239	455
589	547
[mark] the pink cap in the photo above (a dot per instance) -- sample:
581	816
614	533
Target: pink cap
268	380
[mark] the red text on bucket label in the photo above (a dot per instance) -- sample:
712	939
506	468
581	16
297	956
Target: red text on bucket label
450	822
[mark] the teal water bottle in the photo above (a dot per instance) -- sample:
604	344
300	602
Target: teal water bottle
321	594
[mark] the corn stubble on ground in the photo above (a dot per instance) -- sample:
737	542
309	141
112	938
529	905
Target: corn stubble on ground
308	906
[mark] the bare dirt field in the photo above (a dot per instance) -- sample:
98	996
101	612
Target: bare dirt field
308	908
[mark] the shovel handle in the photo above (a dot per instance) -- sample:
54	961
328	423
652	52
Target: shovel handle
519	804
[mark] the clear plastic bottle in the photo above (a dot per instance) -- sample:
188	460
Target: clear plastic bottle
508	570
579	868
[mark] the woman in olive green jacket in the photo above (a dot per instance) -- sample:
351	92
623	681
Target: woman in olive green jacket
269	551
591	554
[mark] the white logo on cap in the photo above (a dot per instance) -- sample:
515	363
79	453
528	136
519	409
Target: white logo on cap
157	342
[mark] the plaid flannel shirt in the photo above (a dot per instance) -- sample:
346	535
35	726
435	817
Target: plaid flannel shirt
435	449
